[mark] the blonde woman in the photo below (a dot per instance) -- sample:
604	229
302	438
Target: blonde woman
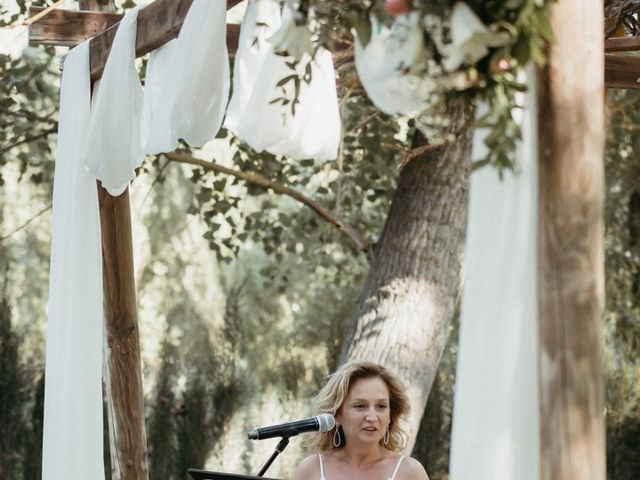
368	403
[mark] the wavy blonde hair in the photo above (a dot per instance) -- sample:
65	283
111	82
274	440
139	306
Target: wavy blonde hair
335	392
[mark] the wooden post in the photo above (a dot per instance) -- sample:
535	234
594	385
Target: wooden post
127	434
570	241
124	372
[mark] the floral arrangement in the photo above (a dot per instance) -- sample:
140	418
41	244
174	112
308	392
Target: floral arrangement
414	56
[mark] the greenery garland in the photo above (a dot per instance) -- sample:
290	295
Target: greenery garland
491	63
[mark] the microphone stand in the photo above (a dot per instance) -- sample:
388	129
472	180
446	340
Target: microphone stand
282	444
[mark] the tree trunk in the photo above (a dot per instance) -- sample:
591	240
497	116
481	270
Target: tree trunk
409	299
571	245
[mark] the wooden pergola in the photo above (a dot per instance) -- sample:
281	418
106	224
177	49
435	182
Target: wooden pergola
570	239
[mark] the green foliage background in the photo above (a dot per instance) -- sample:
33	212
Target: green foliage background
243	293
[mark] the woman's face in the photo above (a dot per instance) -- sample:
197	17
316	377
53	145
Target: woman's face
365	413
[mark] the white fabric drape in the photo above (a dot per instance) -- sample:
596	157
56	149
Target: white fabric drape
155	131
314	130
202	83
261	20
187	82
72	444
113	147
495	416
187	92
389	65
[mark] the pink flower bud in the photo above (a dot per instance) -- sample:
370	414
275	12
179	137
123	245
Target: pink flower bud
397	7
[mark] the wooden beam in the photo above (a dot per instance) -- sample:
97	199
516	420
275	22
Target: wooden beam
125	399
622	71
571	244
158	23
621	44
68	28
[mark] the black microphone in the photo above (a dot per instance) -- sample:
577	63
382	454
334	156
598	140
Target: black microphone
320	423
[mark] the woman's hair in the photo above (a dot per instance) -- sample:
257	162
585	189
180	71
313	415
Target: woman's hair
335	391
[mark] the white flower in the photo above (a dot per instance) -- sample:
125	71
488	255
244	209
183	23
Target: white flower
470	39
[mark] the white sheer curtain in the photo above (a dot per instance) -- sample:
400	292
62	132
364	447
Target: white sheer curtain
72	444
495	416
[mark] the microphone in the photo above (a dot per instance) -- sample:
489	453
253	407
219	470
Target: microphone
320	423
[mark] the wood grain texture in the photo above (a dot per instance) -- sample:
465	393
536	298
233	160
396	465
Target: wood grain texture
68	28
124	372
622	71
622	44
571	265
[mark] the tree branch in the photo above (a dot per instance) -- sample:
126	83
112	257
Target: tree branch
363	122
30	115
25	224
155	182
23	140
417	152
263	182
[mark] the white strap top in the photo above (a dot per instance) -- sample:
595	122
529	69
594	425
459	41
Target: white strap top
392	477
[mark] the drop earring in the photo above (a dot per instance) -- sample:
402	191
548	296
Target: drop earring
337	438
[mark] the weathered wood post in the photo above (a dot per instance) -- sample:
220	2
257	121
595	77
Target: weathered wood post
570	240
127	432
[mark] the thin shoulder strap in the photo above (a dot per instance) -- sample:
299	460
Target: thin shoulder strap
397	468
321	467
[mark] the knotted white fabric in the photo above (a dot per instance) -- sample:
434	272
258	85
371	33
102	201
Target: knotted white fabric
389	66
73	430
313	130
113	147
495	415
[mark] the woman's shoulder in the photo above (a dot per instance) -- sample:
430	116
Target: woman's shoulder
307	468
411	469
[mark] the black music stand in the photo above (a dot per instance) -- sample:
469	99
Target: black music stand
206	475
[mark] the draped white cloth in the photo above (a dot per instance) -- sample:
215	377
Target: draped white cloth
202	83
187	82
186	96
314	130
495	417
389	66
113	147
72	444
155	130
261	20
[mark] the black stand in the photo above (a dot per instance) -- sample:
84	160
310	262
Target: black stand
208	475
284	441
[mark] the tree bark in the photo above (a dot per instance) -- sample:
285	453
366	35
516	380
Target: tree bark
409	299
571	245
